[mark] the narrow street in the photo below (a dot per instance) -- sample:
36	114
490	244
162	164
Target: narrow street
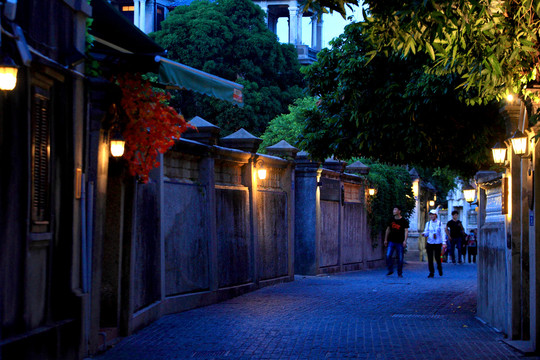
360	315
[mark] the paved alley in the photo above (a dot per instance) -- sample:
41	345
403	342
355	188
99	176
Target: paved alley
360	315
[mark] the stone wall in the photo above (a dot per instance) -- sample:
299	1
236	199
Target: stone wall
207	229
492	258
332	234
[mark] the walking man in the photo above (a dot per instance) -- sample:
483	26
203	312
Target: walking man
395	239
436	242
454	231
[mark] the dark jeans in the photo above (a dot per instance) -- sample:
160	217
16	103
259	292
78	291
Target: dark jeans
455	243
434	250
398	247
472	253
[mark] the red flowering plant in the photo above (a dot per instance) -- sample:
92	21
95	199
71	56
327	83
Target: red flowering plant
150	125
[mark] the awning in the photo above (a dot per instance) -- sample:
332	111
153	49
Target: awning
124	47
173	74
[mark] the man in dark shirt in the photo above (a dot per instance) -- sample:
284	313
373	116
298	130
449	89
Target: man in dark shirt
454	231
396	240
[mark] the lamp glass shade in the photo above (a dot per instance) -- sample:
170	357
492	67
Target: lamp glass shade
8	77
117	147
469	194
519	143
261	173
371	192
499	154
431	203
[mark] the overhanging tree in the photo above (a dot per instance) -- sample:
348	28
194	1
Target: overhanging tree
289	126
229	38
390	108
493	46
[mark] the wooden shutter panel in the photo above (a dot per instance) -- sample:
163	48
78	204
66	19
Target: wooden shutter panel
40	161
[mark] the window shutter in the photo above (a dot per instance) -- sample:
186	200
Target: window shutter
40	161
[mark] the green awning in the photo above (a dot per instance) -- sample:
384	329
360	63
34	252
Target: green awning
173	74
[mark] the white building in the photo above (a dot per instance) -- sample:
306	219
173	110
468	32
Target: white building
147	15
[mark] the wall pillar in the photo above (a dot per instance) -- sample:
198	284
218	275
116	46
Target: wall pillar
136	16
317	45
514	228
142	16
295	25
535	254
307	211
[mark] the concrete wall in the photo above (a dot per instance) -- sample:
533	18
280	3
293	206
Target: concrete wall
332	234
206	229
493	256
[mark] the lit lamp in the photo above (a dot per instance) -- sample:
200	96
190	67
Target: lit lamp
117	145
469	193
519	143
371	191
431	203
499	153
8	74
261	170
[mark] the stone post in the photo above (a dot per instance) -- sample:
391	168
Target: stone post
307	213
512	113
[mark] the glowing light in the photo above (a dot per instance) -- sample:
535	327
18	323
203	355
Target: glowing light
499	153
8	77
117	147
519	143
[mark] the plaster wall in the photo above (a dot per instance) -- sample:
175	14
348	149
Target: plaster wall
492	259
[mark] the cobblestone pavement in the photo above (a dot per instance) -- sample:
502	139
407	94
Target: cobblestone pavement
359	315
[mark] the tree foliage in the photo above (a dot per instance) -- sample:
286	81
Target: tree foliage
394	187
289	126
492	45
229	38
329	6
389	108
442	178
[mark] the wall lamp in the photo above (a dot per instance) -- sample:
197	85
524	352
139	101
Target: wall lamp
118	144
261	170
499	154
372	191
469	193
431	203
8	74
519	143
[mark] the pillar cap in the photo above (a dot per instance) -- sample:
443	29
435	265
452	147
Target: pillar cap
283	149
358	168
242	140
205	132
414	174
333	164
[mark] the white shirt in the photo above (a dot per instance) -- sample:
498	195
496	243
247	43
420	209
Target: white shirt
435	228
